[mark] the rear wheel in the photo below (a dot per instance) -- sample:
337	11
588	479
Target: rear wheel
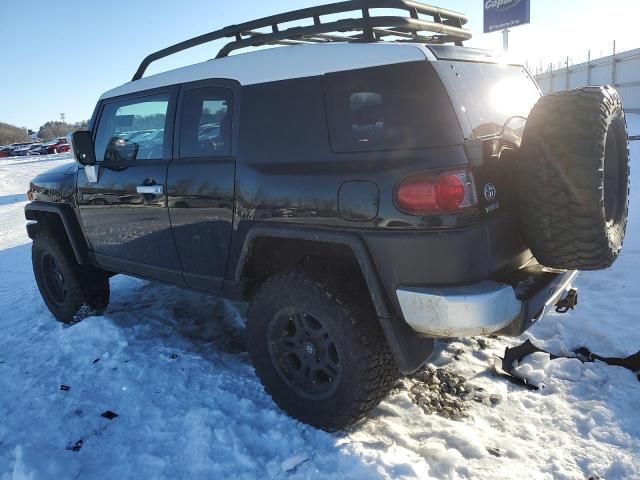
70	291
573	176
322	358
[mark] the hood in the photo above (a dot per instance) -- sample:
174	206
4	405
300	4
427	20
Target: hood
67	168
56	185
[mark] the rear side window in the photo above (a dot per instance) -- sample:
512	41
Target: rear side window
205	122
132	129
394	107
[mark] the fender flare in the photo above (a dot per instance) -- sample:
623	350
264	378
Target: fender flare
69	222
410	350
349	239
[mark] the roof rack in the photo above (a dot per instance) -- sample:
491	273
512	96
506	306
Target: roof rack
445	24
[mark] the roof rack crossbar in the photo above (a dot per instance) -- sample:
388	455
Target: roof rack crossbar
446	23
320	38
347	25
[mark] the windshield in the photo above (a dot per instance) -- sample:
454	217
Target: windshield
490	98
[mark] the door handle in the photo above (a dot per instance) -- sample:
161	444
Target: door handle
150	189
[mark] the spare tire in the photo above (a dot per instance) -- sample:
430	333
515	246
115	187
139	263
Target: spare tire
573	179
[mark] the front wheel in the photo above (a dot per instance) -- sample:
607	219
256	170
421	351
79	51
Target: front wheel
68	289
322	358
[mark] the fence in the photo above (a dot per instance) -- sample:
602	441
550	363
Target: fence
621	70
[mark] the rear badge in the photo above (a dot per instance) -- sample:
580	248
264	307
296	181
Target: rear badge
490	192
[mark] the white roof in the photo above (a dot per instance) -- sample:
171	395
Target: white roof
283	63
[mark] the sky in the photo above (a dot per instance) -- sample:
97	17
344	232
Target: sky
60	60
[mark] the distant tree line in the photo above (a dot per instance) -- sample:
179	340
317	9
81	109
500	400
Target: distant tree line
11	134
148	122
51	130
54	129
48	131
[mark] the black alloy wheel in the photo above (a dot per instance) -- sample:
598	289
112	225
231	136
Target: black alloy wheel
54	280
70	291
319	352
304	353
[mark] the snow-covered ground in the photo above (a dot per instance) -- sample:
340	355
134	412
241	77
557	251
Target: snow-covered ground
172	365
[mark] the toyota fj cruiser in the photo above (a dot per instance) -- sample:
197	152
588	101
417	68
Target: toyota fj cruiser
369	186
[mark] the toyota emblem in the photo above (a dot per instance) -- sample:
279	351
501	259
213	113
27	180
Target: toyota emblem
490	192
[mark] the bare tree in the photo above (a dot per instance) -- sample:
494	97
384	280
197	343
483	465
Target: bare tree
12	134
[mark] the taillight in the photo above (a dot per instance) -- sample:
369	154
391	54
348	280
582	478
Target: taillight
443	192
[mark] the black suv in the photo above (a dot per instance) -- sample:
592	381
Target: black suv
369	186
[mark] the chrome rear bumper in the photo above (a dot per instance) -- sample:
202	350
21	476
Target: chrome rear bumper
479	309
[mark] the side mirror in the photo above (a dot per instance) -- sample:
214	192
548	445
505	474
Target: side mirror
82	146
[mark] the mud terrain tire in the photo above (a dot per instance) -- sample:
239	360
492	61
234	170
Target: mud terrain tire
345	330
573	179
69	290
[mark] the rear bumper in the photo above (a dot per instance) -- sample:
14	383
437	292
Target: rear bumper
483	308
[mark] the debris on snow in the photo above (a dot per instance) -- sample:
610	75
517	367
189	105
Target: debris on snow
291	463
75	447
109	415
439	391
494	451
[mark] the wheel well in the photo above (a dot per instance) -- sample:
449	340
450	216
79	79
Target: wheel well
342	261
62	224
271	255
52	224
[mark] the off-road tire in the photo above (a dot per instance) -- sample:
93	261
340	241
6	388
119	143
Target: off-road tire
573	179
367	368
87	288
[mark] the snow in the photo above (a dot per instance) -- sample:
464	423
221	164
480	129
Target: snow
172	365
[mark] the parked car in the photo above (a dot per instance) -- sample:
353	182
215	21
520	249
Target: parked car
146	137
365	197
35	149
15	146
5	151
59	145
209	131
24	150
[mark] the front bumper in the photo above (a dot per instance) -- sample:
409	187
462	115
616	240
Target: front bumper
483	308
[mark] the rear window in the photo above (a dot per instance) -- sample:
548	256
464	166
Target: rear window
205	127
394	107
495	98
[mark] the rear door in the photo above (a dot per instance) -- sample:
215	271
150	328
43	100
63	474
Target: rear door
201	180
123	200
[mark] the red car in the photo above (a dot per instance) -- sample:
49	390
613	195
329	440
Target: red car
59	145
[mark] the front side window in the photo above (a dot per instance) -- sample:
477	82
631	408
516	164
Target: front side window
205	123
132	129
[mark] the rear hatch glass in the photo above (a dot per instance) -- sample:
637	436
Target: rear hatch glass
490	98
